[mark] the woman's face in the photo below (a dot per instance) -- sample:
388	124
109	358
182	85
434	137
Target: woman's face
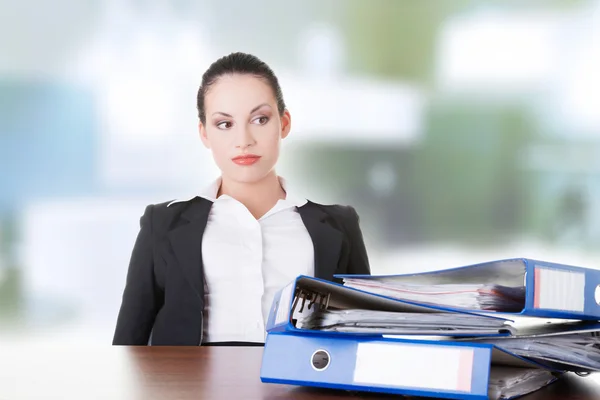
243	127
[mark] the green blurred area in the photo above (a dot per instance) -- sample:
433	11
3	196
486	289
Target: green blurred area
466	180
398	39
10	296
470	179
395	39
10	276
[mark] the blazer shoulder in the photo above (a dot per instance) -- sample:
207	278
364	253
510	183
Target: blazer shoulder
343	213
166	214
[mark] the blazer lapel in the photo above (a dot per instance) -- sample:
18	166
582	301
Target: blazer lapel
327	240
186	242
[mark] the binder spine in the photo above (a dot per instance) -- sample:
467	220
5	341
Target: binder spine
561	291
378	365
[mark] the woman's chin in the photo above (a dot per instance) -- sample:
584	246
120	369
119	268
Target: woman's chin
249	175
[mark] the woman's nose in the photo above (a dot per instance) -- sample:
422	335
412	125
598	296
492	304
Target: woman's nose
244	138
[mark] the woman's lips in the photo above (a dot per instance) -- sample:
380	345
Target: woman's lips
246	159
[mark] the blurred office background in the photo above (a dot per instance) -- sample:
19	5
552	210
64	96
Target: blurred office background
461	131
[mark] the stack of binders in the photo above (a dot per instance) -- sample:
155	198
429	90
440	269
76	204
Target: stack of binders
495	330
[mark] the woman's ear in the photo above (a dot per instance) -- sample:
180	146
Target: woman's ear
286	124
203	135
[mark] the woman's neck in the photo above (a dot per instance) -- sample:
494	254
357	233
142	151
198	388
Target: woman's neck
258	197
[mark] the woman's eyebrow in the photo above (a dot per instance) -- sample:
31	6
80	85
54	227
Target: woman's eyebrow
222	113
259	106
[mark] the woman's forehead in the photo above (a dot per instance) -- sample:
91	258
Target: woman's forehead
238	93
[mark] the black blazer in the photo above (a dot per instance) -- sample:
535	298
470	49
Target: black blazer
164	291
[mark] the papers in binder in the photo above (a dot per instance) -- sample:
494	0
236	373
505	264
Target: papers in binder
490	297
575	352
399	323
313	305
328	307
511	382
520	285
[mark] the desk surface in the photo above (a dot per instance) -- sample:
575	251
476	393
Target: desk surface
58	372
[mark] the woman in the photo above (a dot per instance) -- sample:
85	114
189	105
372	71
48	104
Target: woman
205	270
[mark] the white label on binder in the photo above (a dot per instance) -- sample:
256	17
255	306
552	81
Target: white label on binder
283	310
557	289
414	365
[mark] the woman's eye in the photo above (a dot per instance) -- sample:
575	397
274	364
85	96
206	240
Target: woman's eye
224	125
261	120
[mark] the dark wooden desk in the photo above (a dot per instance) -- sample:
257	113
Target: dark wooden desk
59	372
